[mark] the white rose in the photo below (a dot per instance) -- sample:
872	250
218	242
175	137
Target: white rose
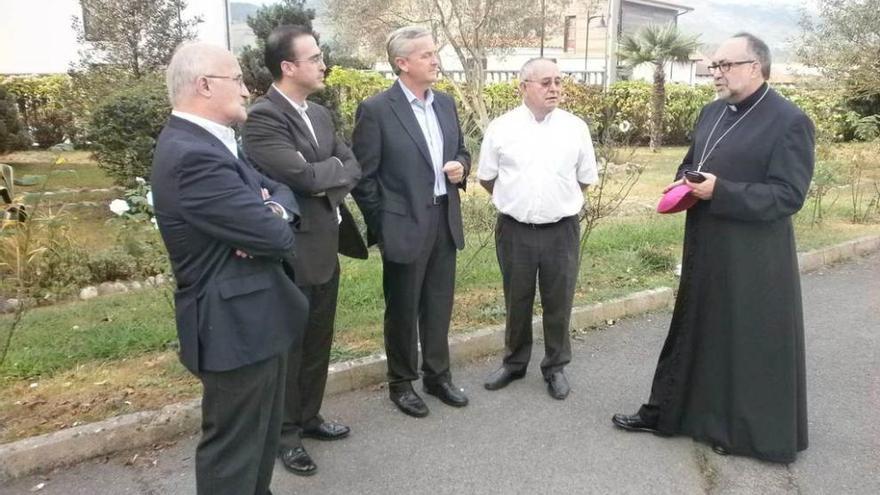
141	181
119	206
624	126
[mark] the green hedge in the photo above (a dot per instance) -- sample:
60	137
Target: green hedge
123	129
625	101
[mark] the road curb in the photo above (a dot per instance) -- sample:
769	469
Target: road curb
72	445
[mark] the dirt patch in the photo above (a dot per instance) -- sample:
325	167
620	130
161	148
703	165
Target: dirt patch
92	393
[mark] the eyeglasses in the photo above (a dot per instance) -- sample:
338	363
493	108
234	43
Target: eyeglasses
239	79
725	67
314	59
546	83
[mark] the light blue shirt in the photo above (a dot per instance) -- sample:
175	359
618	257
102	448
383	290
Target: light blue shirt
427	119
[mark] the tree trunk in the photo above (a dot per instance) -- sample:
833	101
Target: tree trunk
658	103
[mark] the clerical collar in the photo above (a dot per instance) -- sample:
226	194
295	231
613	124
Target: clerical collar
749	101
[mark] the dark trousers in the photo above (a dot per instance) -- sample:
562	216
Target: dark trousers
241	423
308	363
548	253
418	307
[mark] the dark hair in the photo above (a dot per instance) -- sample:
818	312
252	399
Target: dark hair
759	49
279	46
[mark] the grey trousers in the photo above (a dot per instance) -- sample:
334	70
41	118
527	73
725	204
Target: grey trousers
308	363
241	425
548	254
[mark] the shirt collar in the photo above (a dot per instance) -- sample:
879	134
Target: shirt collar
410	96
749	101
224	133
528	113
299	108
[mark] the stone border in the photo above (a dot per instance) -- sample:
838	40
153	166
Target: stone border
72	445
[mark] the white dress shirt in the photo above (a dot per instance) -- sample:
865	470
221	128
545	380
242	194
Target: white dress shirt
301	110
226	135
430	126
537	166
222	132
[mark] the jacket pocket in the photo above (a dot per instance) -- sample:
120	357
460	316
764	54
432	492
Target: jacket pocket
239	286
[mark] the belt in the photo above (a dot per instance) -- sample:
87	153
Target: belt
439	200
538	225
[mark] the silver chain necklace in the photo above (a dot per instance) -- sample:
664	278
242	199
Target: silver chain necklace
705	155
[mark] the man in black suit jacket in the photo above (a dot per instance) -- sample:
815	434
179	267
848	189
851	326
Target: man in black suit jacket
295	142
227	231
409	144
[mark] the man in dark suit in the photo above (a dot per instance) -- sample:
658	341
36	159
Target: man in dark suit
227	231
409	144
295	142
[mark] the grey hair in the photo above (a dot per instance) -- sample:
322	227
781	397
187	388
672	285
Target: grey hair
759	50
529	67
191	59
397	44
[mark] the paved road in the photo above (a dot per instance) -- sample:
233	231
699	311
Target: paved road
519	440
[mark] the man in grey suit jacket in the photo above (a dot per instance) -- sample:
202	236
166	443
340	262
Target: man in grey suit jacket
295	142
227	231
409	144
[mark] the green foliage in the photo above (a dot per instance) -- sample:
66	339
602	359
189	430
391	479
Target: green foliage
256	76
124	128
13	135
41	101
136	36
347	88
842	38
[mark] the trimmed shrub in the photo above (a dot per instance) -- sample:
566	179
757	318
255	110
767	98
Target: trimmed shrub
124	128
13	135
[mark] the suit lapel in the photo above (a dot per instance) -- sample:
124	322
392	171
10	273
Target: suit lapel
404	112
293	115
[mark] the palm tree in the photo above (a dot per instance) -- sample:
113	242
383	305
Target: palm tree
657	45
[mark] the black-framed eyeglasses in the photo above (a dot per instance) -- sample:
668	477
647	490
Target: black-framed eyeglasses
239	79
726	66
546	83
314	59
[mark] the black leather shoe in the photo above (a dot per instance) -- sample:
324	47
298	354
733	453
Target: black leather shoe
448	393
720	450
298	461
410	403
633	422
328	430
501	378
557	385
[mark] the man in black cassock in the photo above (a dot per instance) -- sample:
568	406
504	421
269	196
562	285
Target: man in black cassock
731	372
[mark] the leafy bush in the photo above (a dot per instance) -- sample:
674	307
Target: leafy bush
44	105
348	88
13	136
124	128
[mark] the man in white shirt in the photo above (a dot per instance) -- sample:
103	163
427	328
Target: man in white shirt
536	160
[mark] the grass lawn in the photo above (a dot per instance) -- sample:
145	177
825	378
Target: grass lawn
115	354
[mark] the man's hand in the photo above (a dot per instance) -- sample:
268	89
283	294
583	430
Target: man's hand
674	184
454	171
704	189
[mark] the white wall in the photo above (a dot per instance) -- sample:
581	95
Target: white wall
36	36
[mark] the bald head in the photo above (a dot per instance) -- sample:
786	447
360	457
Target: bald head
205	80
532	66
